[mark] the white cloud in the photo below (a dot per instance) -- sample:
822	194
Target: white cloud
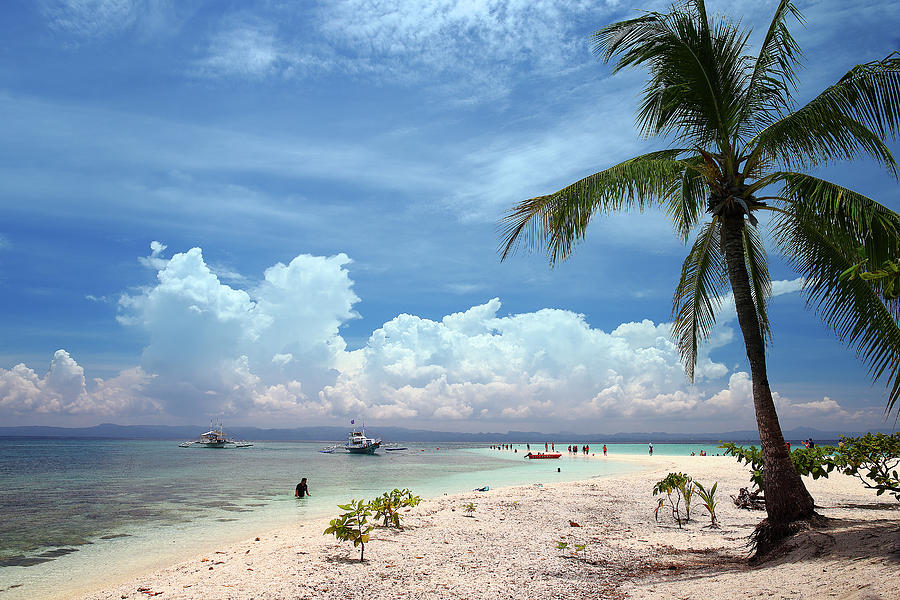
63	391
155	261
100	19
546	364
243	50
91	18
274	351
468	51
246	350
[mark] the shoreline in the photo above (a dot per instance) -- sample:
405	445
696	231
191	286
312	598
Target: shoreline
508	548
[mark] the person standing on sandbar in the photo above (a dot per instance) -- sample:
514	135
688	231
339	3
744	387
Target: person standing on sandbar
301	490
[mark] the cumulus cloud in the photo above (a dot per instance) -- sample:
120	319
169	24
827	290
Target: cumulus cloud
545	364
273	351
155	261
63	390
225	349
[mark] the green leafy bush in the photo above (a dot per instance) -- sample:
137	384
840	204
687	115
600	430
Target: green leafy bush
871	458
387	506
352	525
808	461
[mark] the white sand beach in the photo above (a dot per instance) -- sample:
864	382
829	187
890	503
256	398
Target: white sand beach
508	548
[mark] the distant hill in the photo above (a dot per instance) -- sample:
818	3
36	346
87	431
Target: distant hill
398	434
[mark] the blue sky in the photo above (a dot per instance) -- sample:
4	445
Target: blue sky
285	214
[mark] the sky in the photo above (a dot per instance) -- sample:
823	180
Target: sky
285	214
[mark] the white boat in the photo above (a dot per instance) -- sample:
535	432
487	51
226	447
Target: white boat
215	438
358	443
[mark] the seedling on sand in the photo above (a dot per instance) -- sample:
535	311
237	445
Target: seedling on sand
352	526
678	487
576	548
675	483
470	509
388	505
709	502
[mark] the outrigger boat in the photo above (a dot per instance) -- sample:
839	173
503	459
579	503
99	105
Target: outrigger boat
358	443
215	438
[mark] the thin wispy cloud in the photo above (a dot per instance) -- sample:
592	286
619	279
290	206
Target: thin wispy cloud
467	52
88	21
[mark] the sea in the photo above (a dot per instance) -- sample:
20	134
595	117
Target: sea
75	511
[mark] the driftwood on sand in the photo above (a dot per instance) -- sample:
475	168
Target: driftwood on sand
749	500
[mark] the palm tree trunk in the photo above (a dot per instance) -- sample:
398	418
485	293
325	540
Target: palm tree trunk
787	499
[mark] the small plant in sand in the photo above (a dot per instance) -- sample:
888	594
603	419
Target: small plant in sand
687	489
674	485
709	501
388	505
470	509
576	548
352	525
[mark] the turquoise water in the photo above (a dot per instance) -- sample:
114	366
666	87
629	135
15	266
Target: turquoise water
85	505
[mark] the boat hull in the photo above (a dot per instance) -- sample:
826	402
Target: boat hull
539	456
370	449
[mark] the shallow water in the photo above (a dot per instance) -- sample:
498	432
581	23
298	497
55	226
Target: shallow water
95	506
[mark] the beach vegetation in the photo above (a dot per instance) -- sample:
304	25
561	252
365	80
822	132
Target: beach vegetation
388	506
575	548
708	497
873	459
470	509
738	162
807	461
352	525
674	486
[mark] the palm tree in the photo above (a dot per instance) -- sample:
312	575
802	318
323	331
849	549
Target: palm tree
738	143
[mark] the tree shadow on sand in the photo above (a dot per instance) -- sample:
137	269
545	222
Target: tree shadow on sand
844	539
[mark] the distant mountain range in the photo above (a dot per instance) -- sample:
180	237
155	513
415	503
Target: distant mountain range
399	434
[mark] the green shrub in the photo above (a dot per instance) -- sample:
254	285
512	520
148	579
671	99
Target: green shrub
352	525
871	458
387	506
808	461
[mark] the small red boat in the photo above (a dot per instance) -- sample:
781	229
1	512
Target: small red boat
543	455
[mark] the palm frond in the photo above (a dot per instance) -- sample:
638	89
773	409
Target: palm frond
820	249
760	282
870	92
773	78
559	220
810	137
685	209
698	295
696	73
870	224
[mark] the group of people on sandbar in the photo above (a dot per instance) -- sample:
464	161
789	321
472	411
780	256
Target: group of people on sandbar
549	447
